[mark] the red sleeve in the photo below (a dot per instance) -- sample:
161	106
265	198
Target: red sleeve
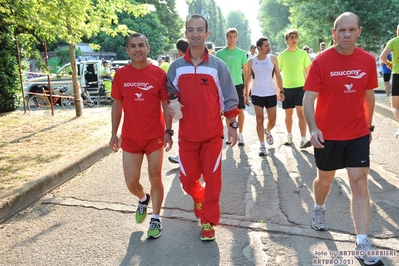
313	80
163	90
231	113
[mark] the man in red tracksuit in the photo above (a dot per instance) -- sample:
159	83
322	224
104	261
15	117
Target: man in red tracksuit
206	90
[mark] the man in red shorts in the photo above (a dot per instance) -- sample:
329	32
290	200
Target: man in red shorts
138	90
342	79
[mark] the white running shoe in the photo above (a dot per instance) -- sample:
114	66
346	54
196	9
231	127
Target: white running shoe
288	140
319	219
262	151
397	134
241	140
305	143
269	138
367	252
174	159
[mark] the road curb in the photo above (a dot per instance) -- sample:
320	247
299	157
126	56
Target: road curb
20	198
384	110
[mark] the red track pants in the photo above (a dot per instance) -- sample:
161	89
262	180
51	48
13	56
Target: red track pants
203	158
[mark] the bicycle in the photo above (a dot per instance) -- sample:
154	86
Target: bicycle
86	98
41	101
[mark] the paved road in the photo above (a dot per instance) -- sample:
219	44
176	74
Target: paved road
265	219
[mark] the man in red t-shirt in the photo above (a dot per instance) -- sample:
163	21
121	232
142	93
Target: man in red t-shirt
138	90
342	79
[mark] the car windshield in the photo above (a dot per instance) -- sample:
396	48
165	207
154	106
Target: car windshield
67	70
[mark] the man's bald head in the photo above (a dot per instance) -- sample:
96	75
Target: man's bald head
347	15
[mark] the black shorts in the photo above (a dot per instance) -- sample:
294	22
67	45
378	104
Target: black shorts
387	77
264	101
240	92
395	85
293	97
338	154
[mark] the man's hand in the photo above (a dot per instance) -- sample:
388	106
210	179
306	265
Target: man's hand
246	100
389	64
168	142
280	97
115	142
317	139
232	136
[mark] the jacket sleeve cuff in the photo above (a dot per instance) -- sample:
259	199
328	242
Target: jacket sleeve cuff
231	113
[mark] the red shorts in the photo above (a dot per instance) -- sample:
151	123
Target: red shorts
138	146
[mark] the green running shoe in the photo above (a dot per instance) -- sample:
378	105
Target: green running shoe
155	229
141	211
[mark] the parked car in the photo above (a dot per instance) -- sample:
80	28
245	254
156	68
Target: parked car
88	73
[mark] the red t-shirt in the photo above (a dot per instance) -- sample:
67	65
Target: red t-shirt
341	81
141	92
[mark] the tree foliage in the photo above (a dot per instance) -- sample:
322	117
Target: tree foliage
149	25
236	19
8	72
42	20
274	19
314	20
214	16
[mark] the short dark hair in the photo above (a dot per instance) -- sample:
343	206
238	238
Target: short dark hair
259	42
182	45
289	32
137	35
196	16
231	30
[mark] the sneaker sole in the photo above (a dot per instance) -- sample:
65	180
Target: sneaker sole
208	238
319	229
154	237
377	263
307	145
172	161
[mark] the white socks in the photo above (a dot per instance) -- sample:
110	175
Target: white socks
360	238
144	198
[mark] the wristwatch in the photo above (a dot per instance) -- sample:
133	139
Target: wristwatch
234	125
170	132
371	128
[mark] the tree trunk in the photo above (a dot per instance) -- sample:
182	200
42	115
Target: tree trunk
75	82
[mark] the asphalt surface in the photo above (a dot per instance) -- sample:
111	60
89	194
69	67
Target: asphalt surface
265	205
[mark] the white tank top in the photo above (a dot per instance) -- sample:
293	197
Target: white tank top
262	82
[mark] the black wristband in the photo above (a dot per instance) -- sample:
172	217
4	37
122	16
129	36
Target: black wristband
282	92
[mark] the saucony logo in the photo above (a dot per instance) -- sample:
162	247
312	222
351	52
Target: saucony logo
356	74
348	86
145	86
